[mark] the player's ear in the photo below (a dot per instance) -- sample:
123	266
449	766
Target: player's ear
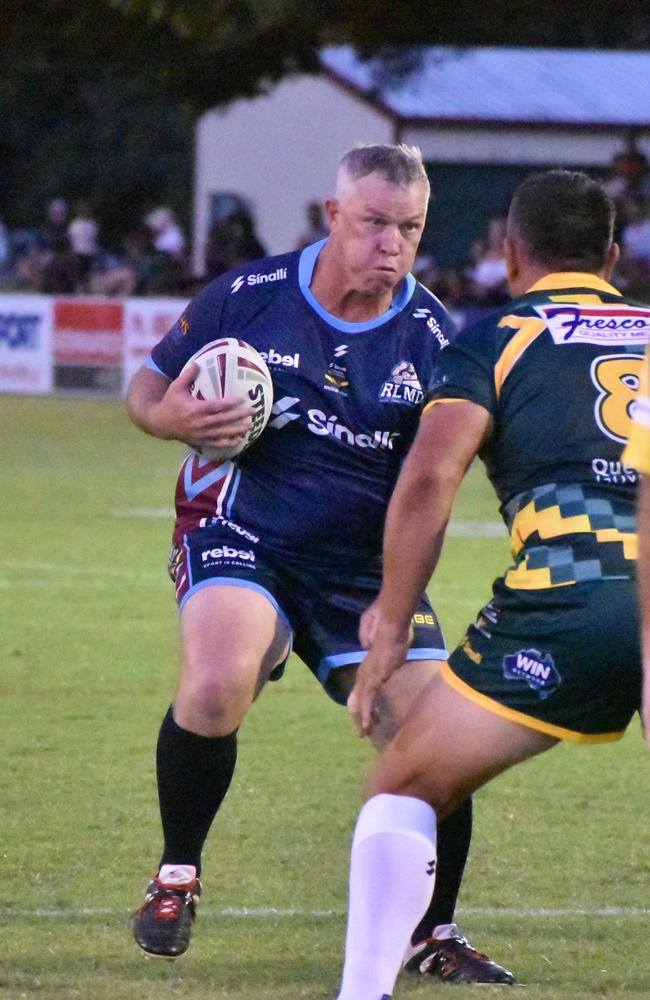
613	254
331	212
513	265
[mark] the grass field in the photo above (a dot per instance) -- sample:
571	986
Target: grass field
557	884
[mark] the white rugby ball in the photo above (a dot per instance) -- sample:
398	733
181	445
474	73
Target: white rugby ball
231	367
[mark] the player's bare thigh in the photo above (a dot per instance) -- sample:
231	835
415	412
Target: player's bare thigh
450	746
232	638
398	696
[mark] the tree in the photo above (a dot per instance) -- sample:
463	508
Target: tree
99	97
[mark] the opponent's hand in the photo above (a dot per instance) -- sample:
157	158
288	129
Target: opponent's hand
368	624
386	655
217	423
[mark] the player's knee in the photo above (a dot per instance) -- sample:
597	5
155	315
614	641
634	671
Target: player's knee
418	782
215	702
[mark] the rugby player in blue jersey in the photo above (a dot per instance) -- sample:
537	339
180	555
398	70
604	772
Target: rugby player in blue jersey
543	391
280	548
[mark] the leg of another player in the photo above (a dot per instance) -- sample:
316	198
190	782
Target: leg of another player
437	948
447	748
232	638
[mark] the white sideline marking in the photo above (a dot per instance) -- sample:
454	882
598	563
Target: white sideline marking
459	529
270	911
477	529
65	569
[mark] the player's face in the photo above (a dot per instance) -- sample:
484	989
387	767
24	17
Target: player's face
376	228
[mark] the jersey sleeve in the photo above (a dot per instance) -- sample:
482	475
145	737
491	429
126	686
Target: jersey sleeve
637	450
200	323
464	370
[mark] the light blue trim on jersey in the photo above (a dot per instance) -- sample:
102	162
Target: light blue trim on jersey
234	581
308	259
196	486
152	366
233	494
329	663
186	546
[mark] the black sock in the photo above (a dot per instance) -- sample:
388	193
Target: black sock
454	835
194	774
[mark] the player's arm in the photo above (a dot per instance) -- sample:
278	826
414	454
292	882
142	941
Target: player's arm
450	435
166	409
643	517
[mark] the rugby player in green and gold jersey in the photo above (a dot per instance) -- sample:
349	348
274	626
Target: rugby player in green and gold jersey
637	454
543	392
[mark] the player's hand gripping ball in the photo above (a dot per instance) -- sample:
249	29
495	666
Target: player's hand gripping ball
231	367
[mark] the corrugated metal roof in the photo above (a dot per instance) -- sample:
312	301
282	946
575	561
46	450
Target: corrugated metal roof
543	86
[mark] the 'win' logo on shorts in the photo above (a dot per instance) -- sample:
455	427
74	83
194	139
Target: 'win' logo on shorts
539	672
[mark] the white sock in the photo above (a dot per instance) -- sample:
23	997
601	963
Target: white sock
391	884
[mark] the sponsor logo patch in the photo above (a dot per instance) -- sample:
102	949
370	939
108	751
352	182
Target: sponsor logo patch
402	386
20	332
607	470
281	412
433	325
600	324
258	279
539	672
227	554
421	618
469	651
273	358
219	522
324	426
336	377
329	425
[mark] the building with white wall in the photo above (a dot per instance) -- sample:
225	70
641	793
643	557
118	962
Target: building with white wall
482	118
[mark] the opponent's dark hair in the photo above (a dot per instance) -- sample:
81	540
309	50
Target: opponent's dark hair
565	220
398	164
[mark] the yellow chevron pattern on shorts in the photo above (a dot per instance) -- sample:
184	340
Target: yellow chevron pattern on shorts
521	577
560	535
551	523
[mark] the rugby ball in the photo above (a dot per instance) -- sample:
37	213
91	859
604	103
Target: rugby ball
231	367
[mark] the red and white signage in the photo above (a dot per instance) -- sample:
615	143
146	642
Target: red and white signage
25	344
88	332
41	332
146	321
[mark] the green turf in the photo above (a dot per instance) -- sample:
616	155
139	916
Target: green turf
88	649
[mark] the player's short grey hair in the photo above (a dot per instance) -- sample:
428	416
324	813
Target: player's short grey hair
398	164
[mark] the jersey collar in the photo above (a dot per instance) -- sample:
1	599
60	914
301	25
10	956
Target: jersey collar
306	267
573	279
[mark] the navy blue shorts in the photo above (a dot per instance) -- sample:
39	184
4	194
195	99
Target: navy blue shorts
320	608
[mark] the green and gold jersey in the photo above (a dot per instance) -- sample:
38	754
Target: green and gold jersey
558	369
637	450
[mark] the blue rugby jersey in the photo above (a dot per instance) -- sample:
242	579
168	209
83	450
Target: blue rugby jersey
347	400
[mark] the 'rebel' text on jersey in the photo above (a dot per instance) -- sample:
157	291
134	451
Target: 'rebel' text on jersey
347	402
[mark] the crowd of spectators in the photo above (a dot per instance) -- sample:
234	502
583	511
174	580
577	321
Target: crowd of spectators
66	254
628	184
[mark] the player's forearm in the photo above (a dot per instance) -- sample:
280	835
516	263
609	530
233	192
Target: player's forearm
143	403
449	437
414	534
